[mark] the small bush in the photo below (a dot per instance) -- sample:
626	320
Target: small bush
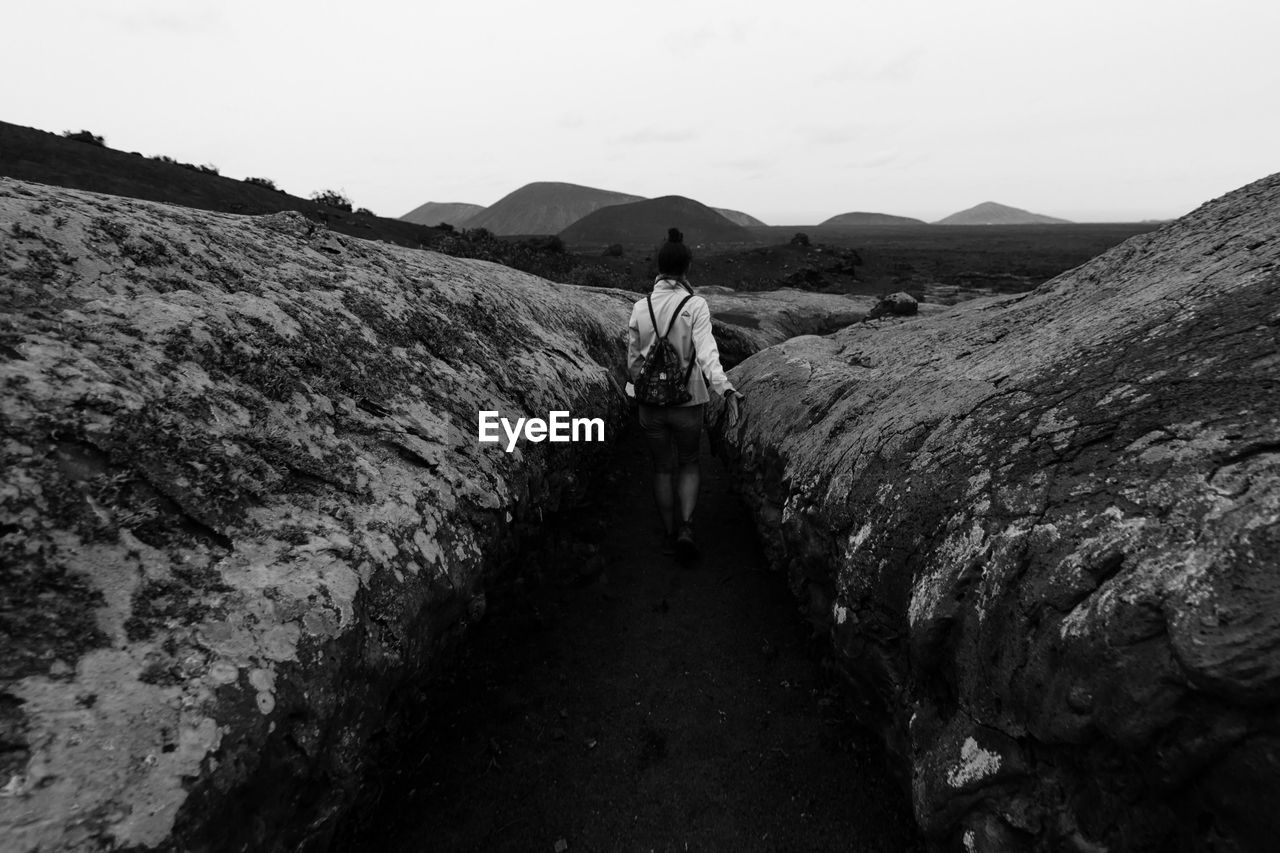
332	198
801	239
261	182
590	275
548	245
85	136
364	211
163	158
613	250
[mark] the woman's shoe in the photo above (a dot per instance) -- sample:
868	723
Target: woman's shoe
668	544
686	548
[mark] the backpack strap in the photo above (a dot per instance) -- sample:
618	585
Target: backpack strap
693	359
693	350
652	317
674	316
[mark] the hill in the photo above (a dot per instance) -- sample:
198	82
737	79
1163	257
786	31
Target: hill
991	213
28	154
35	155
545	207
647	222
859	219
746	220
435	212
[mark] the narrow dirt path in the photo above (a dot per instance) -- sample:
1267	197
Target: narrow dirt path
642	705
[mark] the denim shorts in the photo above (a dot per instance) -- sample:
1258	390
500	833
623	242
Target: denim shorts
668	427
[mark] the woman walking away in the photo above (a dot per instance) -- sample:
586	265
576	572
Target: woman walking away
670	333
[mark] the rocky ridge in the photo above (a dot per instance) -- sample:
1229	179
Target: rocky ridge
27	154
243	500
745	323
1042	534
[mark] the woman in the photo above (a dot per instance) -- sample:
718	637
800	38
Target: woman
673	309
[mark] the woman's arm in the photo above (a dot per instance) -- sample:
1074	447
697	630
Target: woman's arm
635	356
708	352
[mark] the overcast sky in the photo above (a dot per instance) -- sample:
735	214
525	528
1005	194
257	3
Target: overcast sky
1093	110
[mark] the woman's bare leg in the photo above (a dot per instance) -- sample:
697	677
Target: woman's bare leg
688	480
664	496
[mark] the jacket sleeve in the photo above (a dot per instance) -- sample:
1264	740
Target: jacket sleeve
708	352
635	355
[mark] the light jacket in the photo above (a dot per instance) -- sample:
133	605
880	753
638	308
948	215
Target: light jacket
692	329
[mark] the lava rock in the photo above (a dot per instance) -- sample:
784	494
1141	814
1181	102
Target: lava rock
745	322
1042	531
243	504
897	305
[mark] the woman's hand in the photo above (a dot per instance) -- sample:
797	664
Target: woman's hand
732	402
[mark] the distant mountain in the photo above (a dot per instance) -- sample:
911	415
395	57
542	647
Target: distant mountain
545	208
746	220
647	221
861	218
435	212
990	213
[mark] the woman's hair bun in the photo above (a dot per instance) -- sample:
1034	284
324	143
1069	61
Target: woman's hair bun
674	256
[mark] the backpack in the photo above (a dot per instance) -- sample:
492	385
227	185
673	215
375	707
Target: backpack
663	379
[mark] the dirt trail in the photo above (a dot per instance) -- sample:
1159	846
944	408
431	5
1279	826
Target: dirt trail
641	705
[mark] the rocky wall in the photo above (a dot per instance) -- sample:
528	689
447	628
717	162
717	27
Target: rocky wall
1043	535
746	322
243	500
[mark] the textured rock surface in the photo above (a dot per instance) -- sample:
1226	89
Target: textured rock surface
745	323
1043	533
242	500
896	304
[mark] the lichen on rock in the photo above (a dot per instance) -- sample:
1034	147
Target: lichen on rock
1048	526
243	500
